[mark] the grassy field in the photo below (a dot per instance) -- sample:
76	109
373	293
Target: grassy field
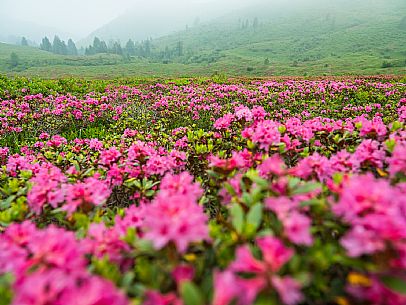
236	63
297	41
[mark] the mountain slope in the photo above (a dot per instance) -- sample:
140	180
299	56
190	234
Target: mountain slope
12	30
371	34
159	17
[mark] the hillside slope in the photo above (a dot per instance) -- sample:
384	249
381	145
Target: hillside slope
372	35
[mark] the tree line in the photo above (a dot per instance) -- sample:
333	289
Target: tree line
58	46
131	48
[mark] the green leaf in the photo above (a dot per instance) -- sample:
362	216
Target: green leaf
390	145
191	294
237	217
246	199
254	216
6	203
395	283
396	126
229	189
312	202
293	182
306	188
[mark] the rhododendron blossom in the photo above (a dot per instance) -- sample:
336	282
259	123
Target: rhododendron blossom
194	191
174	215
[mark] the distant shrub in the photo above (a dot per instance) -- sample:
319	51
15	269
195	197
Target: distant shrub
14	60
250	69
387	64
402	24
219	77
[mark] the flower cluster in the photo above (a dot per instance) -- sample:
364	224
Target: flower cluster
176	193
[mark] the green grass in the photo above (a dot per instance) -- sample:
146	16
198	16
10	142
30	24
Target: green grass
297	41
30	57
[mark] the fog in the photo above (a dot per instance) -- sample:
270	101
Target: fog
78	18
83	20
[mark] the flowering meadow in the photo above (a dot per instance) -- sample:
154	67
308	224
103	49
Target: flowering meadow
196	192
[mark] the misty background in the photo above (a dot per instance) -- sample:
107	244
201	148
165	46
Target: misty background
79	18
201	37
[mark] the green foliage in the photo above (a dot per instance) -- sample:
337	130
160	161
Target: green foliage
14	60
307	41
236	198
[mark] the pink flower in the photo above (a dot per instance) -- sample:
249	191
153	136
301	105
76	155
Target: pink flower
54	247
95	144
376	293
43	136
92	192
183	273
93	291
281	205
243	112
369	152
56	141
129	133
266	133
273	165
297	228
3	153
376	213
376	126
343	162
46	188
397	163
158	165
314	165
139	151
134	217
156	298
225	287
263	272
224	122
181	184
274	252
102	241
108	156
41	287
245	262
236	161
360	241
356	198
288	290
174	215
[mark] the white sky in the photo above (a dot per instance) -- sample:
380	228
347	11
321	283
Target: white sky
74	16
80	17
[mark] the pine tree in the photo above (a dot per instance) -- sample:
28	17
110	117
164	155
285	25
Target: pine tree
64	48
97	45
402	24
147	48
179	48
255	23
89	51
117	48
59	46
14	60
24	41
72	50
103	47
130	48
46	45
